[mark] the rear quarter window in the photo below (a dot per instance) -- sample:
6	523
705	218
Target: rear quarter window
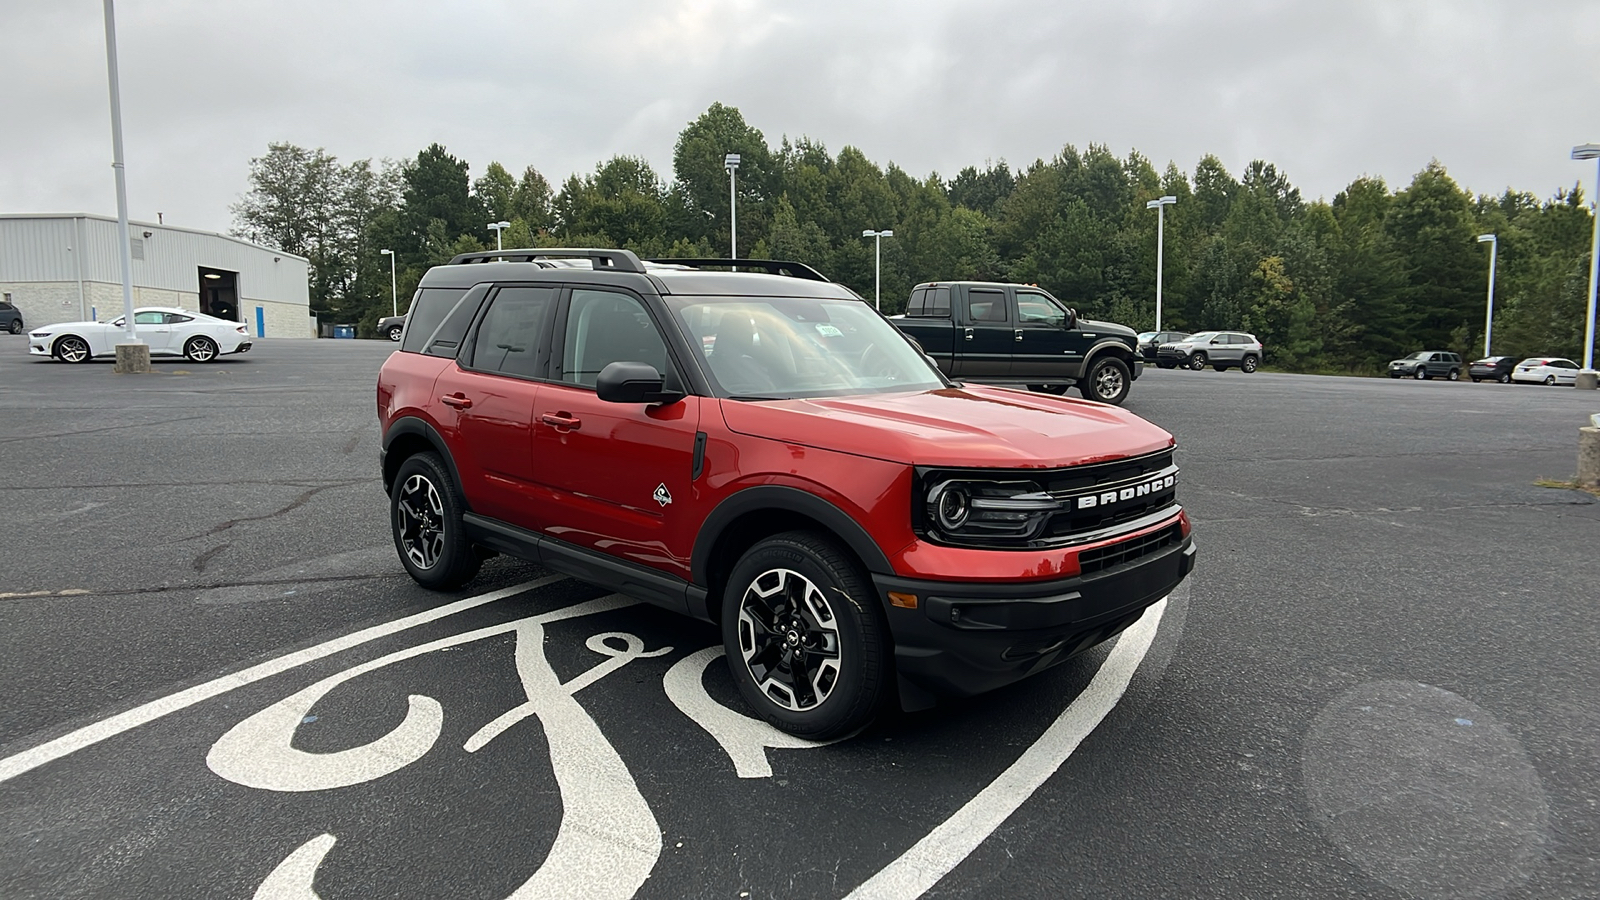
429	308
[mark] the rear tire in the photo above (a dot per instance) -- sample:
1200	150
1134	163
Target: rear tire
394	332
1504	379
200	349
16	326
425	515
805	637
1476	379
1455	375
1550	380
1248	365
1055	389
1108	381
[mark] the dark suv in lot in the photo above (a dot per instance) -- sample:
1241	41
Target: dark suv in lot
764	451
10	317
1425	364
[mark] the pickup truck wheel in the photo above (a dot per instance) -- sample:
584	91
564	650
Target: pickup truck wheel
1198	360
394	332
1249	364
805	638
1108	381
425	513
1056	389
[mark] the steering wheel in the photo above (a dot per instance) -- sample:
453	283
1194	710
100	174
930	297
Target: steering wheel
875	362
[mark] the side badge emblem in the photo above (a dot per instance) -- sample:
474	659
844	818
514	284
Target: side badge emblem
661	495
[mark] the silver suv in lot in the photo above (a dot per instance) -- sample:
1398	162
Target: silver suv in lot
1221	350
1426	364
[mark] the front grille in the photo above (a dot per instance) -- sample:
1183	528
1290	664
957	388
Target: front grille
1084	480
1102	558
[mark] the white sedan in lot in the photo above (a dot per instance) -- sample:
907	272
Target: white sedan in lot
1545	370
168	331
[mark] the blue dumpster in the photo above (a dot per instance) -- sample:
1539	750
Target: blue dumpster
344	331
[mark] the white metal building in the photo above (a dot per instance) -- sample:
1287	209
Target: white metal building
65	268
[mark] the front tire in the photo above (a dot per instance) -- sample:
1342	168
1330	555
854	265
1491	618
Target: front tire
425	515
1109	381
805	637
394	332
73	349
1198	360
200	349
1421	374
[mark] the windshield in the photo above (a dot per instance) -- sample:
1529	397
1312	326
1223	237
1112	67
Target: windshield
1200	338
783	348
1421	354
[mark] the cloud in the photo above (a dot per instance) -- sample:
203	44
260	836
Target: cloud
1498	92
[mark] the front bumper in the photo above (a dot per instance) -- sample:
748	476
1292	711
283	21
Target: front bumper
967	638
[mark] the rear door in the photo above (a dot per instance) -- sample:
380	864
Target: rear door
933	328
988	337
615	477
486	402
1045	348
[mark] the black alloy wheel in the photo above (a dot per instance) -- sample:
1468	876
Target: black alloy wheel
200	349
1248	365
425	512
72	349
1198	360
394	332
805	637
1109	381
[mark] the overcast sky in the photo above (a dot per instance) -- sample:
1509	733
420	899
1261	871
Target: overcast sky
1497	91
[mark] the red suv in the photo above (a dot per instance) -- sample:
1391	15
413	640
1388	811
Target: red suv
762	450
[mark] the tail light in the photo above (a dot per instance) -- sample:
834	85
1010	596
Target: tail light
241	329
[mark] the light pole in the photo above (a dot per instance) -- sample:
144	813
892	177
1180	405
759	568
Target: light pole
1585	151
1160	206
140	359
1488	318
877	262
394	295
498	228
731	163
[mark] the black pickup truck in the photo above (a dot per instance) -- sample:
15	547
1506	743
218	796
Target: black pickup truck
1015	334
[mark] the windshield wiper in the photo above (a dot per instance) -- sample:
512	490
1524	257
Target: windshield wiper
751	397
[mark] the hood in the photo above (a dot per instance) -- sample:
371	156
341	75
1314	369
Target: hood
1108	328
970	426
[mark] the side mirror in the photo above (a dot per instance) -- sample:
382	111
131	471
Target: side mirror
1071	320
633	382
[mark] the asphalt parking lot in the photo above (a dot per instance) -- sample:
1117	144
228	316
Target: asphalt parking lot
1379	683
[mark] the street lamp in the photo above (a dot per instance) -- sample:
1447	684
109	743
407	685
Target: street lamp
1488	318
877	262
394	295
1160	206
731	163
1591	151
139	358
498	228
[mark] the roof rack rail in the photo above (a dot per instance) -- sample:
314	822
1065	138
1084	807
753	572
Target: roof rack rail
620	260
770	266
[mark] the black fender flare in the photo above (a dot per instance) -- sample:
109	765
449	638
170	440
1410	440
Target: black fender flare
789	499
1099	350
411	425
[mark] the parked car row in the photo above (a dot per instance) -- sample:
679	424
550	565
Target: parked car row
1426	364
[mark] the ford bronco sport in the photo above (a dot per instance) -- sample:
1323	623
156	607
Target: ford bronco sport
763	451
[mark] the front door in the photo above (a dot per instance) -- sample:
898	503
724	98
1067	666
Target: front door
617	475
152	328
989	337
1045	348
486	403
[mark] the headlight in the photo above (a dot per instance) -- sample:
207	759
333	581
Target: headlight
988	511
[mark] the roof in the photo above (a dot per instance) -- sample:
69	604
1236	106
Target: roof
154	225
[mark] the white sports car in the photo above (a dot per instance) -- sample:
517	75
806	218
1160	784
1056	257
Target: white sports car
1546	370
168	331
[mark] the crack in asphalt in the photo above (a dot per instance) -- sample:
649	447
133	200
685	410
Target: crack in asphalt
207	586
231	482
204	559
296	503
39	437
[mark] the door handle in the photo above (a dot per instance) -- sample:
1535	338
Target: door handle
969	334
458	400
562	420
1019	334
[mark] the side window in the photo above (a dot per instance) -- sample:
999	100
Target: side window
919	300
1038	309
604	327
428	309
175	319
149	318
938	303
986	306
513	331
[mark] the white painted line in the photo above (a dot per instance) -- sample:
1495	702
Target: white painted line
72	741
933	857
744	739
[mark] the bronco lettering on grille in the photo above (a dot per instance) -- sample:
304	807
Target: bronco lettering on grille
1132	492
